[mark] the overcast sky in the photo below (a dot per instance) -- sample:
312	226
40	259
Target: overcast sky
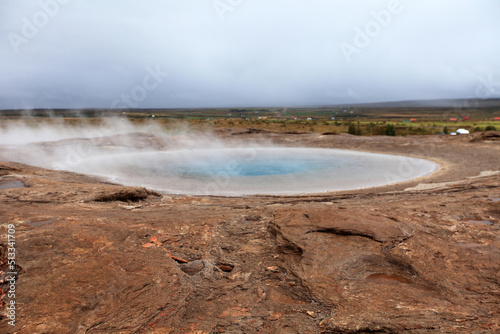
171	53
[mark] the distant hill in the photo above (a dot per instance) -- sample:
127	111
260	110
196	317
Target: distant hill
473	103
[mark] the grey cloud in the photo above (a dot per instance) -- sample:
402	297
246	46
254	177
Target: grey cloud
278	53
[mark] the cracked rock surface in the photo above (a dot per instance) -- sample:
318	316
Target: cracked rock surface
95	257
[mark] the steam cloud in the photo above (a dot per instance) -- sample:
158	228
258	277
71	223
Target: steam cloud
57	144
182	161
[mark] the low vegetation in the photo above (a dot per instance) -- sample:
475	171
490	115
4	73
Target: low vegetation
359	121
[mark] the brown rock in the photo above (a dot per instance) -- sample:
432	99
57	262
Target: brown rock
389	261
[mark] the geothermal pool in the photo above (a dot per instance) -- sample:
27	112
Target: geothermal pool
251	171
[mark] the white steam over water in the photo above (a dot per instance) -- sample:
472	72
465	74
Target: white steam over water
250	171
16	133
181	162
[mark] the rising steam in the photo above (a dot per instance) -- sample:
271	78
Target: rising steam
182	161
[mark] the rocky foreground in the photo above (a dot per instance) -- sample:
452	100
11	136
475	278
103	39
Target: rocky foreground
420	257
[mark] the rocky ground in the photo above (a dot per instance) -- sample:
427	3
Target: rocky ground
419	257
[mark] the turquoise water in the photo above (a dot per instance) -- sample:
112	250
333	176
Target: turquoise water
249	171
206	166
254	168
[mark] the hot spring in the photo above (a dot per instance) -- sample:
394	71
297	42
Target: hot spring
251	171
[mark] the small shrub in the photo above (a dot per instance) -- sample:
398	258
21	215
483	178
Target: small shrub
352	129
358	130
390	130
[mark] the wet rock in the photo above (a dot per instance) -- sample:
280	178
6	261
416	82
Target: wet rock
11	184
192	268
129	194
386	278
225	267
377	261
253	218
485	135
